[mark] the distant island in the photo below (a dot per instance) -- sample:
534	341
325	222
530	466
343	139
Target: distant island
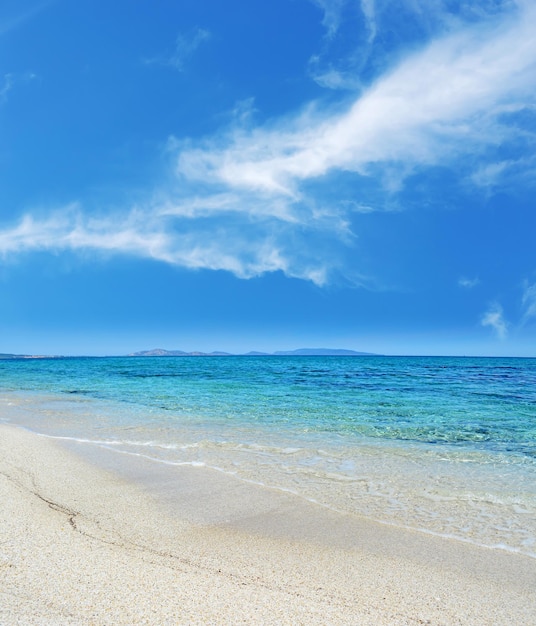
299	352
26	356
162	352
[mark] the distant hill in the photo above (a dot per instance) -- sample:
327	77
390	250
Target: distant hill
161	352
300	352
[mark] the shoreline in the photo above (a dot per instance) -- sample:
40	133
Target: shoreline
103	539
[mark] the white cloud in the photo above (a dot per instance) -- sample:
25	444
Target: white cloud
6	87
256	199
9	23
346	47
468	283
10	80
368	7
494	318
69	229
365	37
490	174
529	302
442	102
157	234
506	173
332	14
185	46
331	78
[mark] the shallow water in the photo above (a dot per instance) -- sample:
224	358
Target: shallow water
443	445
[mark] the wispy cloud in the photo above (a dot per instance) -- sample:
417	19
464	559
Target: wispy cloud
347	45
9	23
336	12
468	283
528	301
253	199
167	234
494	318
364	38
9	82
506	173
439	105
6	87
185	46
489	174
368	7
332	10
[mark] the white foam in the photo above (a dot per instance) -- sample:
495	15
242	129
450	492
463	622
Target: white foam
391	491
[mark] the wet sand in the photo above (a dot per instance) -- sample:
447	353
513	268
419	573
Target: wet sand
104	538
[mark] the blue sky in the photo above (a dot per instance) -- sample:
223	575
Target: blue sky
250	175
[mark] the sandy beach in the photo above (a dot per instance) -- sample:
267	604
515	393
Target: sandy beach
118	540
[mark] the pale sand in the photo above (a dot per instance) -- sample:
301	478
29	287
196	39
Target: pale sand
82	544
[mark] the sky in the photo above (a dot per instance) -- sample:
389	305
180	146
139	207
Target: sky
207	175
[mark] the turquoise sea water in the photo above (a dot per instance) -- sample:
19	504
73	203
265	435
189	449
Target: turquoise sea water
442	445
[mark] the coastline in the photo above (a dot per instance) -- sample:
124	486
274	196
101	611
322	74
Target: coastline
118	540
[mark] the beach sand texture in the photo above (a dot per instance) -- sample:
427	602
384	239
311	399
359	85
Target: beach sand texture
87	543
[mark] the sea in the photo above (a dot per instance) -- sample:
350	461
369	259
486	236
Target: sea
437	444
